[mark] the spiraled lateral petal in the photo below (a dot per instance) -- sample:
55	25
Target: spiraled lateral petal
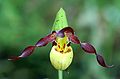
29	50
73	38
88	48
44	41
26	52
101	61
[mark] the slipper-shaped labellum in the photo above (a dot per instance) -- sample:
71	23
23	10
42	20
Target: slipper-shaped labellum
61	59
61	54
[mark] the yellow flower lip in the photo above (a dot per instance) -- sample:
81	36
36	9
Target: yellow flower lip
61	61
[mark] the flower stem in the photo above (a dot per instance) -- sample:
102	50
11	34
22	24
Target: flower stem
60	74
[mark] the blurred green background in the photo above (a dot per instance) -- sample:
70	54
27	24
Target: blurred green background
24	22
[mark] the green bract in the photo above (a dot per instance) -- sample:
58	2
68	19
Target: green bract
60	21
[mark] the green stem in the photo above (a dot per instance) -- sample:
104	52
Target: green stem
60	74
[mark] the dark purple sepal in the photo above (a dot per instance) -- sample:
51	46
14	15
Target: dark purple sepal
101	61
25	53
69	32
44	41
62	32
88	48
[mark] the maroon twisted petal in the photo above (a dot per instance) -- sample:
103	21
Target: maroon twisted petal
73	38
29	50
101	61
88	48
69	32
26	52
44	41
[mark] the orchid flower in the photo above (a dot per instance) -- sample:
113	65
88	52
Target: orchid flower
61	54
